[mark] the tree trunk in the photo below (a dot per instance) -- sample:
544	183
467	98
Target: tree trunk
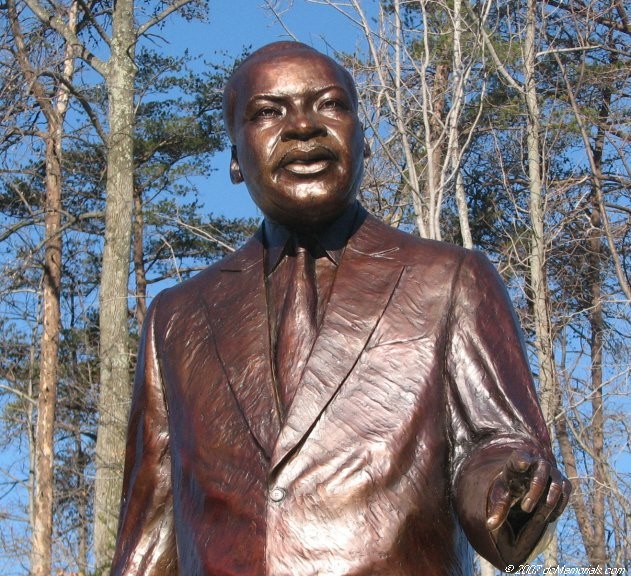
453	148
113	321
54	112
590	507
538	282
47	397
139	259
551	553
435	144
583	517
597	549
486	568
84	525
548	383
420	209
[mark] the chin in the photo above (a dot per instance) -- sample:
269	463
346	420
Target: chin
311	215
311	205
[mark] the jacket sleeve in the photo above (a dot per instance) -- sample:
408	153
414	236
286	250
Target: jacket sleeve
146	540
493	407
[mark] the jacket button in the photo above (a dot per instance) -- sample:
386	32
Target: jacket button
277	494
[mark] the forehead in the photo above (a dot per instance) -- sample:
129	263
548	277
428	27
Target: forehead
288	74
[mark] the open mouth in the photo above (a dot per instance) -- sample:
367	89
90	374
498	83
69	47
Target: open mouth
307	161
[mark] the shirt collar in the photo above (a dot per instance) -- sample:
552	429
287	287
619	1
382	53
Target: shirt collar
330	241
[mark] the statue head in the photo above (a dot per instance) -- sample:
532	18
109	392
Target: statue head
297	142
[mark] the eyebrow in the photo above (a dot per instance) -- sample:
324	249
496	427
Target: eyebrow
263	96
276	97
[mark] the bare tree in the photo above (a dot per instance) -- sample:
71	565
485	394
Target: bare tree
54	106
118	72
598	500
413	83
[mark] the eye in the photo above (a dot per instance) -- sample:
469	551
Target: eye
267	113
333	104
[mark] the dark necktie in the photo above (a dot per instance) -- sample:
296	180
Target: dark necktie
297	328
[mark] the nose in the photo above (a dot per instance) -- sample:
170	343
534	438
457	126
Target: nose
303	125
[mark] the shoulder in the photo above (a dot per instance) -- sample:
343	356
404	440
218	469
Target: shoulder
186	300
421	253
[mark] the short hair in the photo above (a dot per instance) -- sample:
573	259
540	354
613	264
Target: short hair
229	92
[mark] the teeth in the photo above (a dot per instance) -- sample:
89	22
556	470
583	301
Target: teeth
307	168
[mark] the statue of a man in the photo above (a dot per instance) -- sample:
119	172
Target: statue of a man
336	397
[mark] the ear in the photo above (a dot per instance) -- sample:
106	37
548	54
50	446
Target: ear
235	171
366	149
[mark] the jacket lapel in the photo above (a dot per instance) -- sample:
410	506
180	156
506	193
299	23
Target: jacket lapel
237	315
364	283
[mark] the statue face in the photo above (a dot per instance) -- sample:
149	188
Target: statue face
299	145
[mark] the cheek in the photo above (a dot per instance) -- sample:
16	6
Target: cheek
258	149
251	161
351	139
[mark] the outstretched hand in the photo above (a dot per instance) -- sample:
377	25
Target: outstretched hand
533	483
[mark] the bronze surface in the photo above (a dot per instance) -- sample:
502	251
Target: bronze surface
415	427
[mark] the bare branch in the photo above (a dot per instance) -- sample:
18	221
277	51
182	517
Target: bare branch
57	24
597	177
161	16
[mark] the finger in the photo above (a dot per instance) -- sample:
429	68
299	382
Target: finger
555	490
518	463
538	485
516	472
543	512
499	504
563	500
546	510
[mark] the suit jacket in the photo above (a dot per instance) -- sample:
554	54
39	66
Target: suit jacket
416	391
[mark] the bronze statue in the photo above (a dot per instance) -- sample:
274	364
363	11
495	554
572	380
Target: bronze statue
336	397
